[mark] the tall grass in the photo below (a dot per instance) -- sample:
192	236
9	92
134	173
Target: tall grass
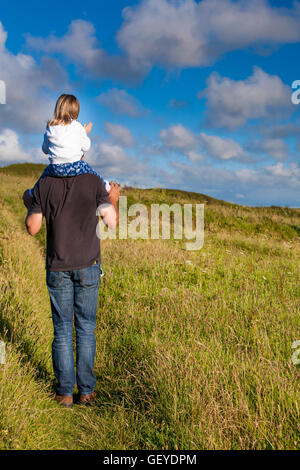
193	348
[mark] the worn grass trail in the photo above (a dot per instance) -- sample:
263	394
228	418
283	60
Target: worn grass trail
28	416
193	348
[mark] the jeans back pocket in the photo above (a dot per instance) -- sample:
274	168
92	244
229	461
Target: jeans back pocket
89	277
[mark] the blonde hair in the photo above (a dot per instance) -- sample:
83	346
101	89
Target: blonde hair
66	109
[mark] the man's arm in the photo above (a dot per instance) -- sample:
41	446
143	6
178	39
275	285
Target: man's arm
27	198
33	222
110	214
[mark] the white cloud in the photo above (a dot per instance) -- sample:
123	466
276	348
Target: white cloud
271	146
280	131
259	185
186	33
195	156
247	175
81	46
120	102
120	134
277	148
290	172
178	104
114	162
11	150
218	147
231	103
274	175
79	43
181	33
182	140
179	138
107	155
28	105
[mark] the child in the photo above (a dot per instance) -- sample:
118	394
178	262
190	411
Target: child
66	141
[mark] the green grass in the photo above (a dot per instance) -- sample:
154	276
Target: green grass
193	348
33	170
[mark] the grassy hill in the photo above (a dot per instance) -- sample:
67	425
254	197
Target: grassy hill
193	348
33	170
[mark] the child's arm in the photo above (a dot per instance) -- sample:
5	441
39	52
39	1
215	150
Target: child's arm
86	142
88	127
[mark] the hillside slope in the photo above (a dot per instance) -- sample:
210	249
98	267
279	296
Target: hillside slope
193	348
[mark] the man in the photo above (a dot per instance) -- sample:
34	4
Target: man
73	271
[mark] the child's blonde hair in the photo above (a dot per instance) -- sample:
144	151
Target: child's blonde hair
66	109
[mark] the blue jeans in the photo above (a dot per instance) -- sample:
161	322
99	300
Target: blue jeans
74	292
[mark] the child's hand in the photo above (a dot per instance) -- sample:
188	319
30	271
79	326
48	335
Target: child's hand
88	127
114	192
27	199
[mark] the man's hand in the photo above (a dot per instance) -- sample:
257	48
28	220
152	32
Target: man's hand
27	199
114	195
110	213
88	127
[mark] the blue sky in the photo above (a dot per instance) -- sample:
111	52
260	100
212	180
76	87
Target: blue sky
194	95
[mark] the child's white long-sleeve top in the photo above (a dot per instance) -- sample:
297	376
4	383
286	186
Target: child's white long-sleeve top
66	143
